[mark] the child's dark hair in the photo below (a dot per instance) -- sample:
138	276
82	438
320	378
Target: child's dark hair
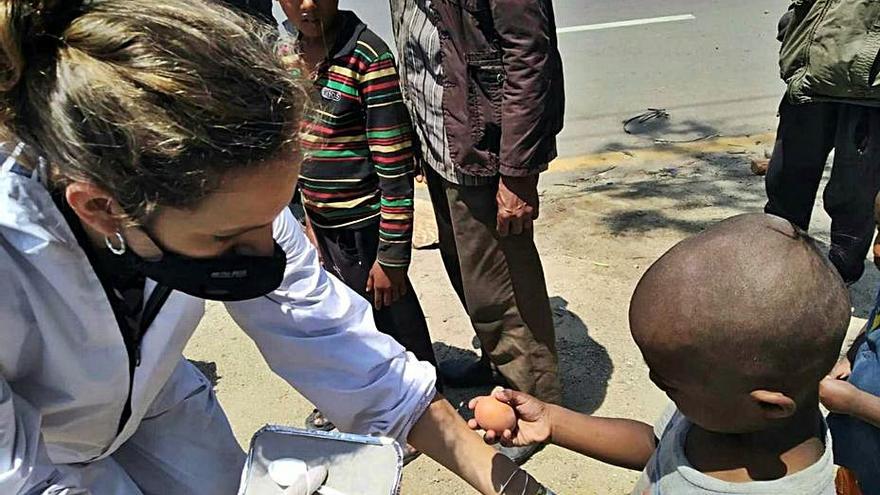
752	297
152	100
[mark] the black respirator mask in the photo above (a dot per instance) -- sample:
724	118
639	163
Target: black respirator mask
232	277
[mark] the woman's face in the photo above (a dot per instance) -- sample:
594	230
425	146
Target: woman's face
310	17
234	219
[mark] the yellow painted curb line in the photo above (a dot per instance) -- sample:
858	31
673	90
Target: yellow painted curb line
663	152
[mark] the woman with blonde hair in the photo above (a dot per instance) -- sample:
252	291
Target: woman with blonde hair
149	160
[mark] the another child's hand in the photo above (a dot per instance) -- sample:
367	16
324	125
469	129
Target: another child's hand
533	425
841	370
386	284
838	396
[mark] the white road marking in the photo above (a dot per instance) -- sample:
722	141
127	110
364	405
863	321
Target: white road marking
620	24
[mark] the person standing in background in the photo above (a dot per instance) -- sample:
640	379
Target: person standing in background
357	173
460	64
830	104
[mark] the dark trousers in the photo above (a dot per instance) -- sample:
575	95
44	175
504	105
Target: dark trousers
500	282
350	254
807	133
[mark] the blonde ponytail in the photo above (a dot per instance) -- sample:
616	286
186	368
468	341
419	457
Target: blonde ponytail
153	100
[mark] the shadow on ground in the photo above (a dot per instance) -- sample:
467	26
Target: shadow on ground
684	197
663	130
584	365
719	180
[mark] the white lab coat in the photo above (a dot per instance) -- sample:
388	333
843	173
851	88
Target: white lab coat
64	371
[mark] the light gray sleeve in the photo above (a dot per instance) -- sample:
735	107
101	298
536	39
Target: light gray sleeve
24	465
664	419
320	337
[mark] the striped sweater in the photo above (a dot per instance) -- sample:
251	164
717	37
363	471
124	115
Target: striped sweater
357	142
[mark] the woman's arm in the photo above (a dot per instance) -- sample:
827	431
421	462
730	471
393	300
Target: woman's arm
320	336
444	436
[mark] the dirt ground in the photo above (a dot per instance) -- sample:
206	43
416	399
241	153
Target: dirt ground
604	219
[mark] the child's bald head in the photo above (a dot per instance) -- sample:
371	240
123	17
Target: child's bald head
748	305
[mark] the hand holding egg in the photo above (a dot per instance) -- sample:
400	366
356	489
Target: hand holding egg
512	418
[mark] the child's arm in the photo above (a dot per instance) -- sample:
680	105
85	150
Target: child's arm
843	397
621	442
867	408
389	137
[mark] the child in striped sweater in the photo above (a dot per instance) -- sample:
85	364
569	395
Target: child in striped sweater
357	173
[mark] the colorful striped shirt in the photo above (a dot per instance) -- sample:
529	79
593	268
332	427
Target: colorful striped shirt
357	141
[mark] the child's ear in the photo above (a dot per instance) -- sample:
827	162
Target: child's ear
774	405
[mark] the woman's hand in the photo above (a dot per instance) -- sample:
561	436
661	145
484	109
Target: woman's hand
533	420
386	284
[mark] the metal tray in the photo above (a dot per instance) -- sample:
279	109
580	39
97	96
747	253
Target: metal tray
357	465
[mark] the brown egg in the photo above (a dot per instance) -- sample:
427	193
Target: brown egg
492	414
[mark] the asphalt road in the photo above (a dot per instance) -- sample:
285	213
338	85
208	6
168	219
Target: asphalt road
712	66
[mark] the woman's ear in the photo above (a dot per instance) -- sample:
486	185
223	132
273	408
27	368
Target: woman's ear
94	207
774	405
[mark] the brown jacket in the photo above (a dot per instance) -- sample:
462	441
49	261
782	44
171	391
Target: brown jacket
503	98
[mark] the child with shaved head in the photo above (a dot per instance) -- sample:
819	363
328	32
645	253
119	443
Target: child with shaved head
738	325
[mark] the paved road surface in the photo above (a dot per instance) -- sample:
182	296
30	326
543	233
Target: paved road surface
715	72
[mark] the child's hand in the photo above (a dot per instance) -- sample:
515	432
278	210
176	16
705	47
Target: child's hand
420	172
837	395
386	284
841	370
533	425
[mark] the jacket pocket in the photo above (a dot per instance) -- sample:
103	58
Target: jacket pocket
486	78
866	63
472	5
832	51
